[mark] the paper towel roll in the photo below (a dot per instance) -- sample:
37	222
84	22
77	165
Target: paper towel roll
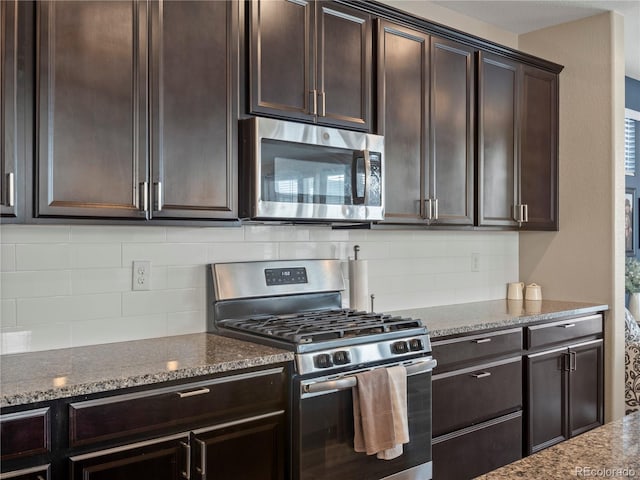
359	285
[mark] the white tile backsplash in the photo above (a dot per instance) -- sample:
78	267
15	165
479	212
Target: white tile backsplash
67	286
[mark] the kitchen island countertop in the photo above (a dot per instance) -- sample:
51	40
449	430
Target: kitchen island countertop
480	316
52	374
609	451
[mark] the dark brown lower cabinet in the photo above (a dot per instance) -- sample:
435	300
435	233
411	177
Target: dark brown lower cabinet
162	459
481	448
565	393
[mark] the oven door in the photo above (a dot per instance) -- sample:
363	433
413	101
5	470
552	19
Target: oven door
323	430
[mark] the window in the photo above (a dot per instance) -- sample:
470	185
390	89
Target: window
631	140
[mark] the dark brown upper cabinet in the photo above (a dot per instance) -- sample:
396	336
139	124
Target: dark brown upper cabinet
310	61
517	145
426	113
14	62
193	49
94	129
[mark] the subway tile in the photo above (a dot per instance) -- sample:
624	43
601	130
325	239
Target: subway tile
117	234
162	301
102	280
56	256
99	255
241	252
36	311
165	254
182	323
187	277
205	234
118	329
275	233
34	233
7	258
35	284
35	338
301	250
8	313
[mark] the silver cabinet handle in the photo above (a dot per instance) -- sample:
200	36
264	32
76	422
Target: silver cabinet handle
11	189
525	215
202	469
568	325
573	359
193	393
157	188
144	196
482	340
427	208
435	209
314	101
187	473
323	104
481	375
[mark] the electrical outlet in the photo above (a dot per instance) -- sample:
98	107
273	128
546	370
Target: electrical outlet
475	262
141	275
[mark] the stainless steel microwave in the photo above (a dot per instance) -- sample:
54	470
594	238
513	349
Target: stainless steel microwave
294	171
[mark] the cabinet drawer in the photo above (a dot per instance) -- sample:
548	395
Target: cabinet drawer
477	450
42	472
564	331
475	394
477	347
25	433
183	406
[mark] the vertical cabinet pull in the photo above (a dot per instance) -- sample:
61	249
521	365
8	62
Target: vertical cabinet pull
323	104
11	189
435	209
202	469
525	214
427	208
159	201
314	102
573	361
144	196
187	473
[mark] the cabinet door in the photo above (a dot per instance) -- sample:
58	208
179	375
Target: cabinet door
452	131
163	459
92	154
344	66
403	102
281	65
194	98
497	140
248	449
14	61
539	148
547	399
585	387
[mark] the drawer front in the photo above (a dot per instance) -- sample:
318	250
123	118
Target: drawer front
42	472
473	395
475	451
25	433
565	331
474	348
184	406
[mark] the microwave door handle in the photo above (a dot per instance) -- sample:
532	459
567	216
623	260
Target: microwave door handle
364	155
367	175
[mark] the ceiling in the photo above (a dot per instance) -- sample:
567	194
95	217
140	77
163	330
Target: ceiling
527	15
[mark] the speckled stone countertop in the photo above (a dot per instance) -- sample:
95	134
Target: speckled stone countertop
48	375
479	316
609	451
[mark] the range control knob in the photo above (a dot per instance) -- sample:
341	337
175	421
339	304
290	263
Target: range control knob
399	347
415	344
322	360
341	357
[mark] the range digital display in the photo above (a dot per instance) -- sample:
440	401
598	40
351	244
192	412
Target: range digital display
285	276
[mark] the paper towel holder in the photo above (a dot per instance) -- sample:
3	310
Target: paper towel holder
356	249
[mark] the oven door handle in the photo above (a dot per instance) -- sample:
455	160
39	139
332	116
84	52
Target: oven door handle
351	381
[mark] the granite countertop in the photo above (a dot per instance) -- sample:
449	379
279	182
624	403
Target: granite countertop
479	316
609	451
48	375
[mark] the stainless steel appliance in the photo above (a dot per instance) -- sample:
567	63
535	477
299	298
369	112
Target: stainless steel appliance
295	171
296	305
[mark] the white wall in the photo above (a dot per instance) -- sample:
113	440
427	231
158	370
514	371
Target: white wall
64	286
584	260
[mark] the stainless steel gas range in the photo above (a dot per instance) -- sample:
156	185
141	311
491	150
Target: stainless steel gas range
297	305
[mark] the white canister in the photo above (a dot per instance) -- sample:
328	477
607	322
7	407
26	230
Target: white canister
533	292
515	290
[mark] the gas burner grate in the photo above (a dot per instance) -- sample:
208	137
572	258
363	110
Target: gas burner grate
317	326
